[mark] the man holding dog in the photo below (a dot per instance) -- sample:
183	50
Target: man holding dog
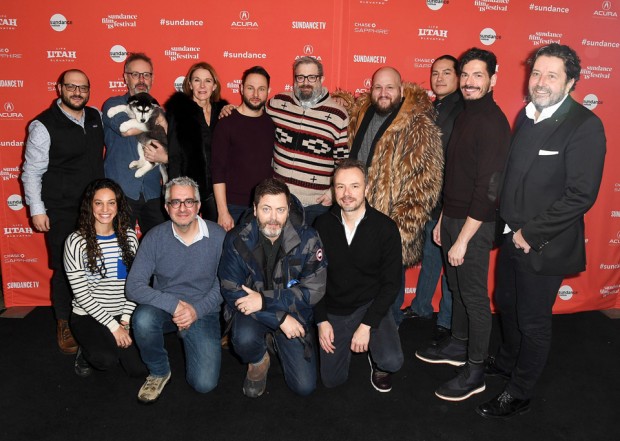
64	152
143	194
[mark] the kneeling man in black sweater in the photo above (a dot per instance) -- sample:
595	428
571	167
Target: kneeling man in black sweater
363	279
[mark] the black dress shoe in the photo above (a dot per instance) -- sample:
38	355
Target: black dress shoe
408	313
81	367
503	406
492	370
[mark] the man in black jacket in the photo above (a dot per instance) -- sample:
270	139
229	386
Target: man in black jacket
64	152
363	278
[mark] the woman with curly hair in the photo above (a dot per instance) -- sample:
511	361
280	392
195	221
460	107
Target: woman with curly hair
97	258
192	115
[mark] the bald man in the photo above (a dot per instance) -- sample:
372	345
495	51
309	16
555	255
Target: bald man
392	132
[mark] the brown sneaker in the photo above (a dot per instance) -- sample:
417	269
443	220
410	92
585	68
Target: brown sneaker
255	381
66	342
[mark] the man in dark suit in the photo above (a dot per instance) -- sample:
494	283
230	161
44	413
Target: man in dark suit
551	180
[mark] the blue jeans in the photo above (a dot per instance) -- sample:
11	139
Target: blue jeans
432	263
248	339
313	211
236	211
201	342
384	346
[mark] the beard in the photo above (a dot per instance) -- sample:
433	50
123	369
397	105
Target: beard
549	100
270	230
251	106
72	105
308	93
382	110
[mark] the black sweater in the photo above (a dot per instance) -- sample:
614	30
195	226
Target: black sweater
368	270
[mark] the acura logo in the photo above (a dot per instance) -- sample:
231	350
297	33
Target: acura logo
308	49
606	6
244	15
9	107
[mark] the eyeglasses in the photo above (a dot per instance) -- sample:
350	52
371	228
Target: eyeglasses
176	203
72	87
310	78
137	75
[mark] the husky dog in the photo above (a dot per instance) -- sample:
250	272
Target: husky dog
143	110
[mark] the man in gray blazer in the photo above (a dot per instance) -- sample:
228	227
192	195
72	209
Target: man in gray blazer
551	180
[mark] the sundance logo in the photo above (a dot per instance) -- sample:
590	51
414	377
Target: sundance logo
488	36
182	53
118	53
566	292
492	5
120	21
436	5
59	23
544	38
374	59
14	202
596	72
17	231
244	22
178	84
312	25
233	86
8	173
61	55
609	290
9	112
591	101
12	143
11	83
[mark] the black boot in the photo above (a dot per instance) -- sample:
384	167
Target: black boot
469	381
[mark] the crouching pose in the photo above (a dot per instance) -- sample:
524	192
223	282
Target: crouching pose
273	272
97	257
181	256
363	279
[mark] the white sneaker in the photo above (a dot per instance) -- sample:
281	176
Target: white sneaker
152	388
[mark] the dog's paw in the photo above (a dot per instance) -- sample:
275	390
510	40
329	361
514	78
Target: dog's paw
116	109
134	164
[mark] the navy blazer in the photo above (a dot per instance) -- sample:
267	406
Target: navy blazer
560	184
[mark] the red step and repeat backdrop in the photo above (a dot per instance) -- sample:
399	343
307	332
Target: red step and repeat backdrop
353	38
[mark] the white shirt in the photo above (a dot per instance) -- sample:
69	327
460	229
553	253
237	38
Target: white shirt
203	231
350	233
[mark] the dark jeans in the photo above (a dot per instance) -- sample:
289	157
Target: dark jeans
100	349
432	264
62	223
524	301
471	310
148	213
384	346
201	344
299	366
311	212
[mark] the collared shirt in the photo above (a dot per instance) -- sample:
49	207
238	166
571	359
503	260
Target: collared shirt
203	231
547	112
350	233
37	158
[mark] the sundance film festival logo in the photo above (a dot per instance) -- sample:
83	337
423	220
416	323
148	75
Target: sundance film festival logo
590	101
596	72
492	5
61	54
609	290
120	21
59	23
544	38
14	202
16	231
606	11
6	54
233	86
244	22
9	173
488	36
176	53
566	292
7	23
369	28
436	5
178	84
9	112
118	53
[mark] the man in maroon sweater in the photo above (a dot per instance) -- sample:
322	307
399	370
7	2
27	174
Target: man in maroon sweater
476	154
242	149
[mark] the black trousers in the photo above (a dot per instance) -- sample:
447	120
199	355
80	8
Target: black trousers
100	349
524	301
148	213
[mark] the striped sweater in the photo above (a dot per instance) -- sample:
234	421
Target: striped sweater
103	298
308	143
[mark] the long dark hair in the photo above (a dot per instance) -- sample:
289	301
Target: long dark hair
121	224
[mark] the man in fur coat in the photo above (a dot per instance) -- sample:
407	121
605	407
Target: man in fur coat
392	131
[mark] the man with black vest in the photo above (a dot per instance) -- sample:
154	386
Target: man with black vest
64	152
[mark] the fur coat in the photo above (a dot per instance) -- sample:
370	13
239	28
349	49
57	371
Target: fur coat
406	172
